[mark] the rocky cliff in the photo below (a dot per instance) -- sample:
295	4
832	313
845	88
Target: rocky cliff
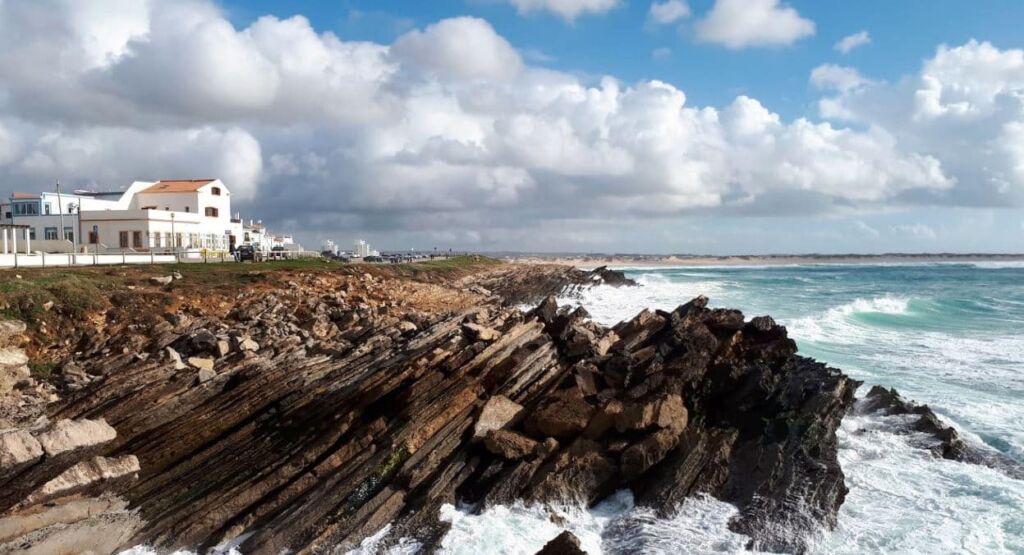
309	416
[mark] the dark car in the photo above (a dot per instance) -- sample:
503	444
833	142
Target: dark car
245	252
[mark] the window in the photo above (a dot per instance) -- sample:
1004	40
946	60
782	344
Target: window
50	234
212	212
69	234
46	209
123	237
215	191
137	239
26	209
94	235
187	209
32	233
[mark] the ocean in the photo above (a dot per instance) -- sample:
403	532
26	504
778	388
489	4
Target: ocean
949	335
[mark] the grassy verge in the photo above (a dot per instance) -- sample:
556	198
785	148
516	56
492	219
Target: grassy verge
26	292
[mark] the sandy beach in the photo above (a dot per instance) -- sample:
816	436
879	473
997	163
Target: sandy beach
587	261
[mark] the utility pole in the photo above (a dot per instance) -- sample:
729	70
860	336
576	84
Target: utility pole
60	210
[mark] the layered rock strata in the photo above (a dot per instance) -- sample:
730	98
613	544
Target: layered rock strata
318	417
57	494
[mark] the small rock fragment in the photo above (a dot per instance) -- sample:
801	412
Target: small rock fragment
206	374
201	363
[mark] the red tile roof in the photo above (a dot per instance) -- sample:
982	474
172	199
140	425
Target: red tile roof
177	186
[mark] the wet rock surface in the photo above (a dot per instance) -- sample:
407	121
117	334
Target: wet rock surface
530	284
335	411
934	435
563	544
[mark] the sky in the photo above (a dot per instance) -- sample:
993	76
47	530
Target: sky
665	126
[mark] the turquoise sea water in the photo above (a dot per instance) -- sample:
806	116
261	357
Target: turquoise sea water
950	335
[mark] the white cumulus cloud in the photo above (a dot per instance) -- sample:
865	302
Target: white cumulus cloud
448	133
668	11
566	9
849	42
740	24
833	77
460	48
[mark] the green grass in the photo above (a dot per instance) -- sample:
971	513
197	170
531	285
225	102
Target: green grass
42	371
76	292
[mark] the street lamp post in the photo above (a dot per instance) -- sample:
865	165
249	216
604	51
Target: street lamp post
174	238
76	228
60	210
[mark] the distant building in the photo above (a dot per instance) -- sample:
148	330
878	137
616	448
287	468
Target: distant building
361	249
170	215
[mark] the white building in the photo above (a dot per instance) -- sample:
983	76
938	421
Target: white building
171	215
361	249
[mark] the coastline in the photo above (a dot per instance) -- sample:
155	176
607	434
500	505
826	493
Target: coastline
669	261
370	397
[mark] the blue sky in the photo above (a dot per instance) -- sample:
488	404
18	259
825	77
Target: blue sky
621	42
702	126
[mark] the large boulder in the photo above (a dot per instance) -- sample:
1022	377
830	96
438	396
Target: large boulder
583	473
509	445
666	411
564	414
498	412
640	457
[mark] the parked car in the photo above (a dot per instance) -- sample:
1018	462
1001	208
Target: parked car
245	252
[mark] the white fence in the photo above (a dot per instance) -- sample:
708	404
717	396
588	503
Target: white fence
51	260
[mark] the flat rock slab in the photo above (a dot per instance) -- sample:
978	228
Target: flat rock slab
499	412
18	447
69	435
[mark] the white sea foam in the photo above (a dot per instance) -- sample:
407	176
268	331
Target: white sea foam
903	500
611	305
614	526
998	264
880	305
374	545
